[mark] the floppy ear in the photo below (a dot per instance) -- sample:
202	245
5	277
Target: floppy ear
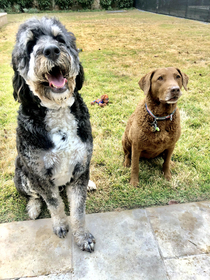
22	92
80	77
145	82
184	79
21	89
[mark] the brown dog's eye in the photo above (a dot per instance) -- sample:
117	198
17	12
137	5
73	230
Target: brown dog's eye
160	78
178	76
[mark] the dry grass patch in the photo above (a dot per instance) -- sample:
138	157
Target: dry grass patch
118	50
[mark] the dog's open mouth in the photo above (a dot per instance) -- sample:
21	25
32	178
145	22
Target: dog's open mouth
173	99
170	100
56	80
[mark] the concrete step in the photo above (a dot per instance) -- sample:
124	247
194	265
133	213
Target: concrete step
169	242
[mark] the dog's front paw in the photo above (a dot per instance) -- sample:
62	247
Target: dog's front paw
134	182
87	243
167	174
61	230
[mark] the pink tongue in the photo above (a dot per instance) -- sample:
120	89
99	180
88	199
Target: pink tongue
57	81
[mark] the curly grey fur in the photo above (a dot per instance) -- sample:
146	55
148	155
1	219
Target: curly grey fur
54	140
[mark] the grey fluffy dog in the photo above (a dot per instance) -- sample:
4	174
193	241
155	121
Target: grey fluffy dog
54	140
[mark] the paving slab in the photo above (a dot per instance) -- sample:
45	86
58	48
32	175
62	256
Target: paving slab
31	248
189	268
160	243
125	249
182	229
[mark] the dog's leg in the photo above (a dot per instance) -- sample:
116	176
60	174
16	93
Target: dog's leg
56	207
135	165
166	165
76	193
127	151
24	187
34	207
91	186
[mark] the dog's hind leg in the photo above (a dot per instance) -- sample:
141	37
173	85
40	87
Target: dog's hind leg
34	207
49	193
34	204
23	186
76	193
127	151
91	186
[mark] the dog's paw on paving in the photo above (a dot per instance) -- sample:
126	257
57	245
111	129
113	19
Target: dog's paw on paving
88	243
61	231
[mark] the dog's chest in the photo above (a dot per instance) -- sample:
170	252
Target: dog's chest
154	143
68	149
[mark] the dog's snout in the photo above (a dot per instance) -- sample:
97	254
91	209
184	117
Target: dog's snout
51	52
175	90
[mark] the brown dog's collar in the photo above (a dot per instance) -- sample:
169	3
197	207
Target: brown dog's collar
154	124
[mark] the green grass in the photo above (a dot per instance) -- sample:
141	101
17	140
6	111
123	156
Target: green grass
118	50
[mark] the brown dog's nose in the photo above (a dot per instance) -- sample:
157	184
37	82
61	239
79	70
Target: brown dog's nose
175	90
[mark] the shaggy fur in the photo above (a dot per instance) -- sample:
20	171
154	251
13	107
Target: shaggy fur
54	140
162	88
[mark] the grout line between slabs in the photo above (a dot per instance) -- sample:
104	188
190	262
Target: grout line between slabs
186	256
156	241
72	256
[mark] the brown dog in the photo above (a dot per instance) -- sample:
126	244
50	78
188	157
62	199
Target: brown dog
154	127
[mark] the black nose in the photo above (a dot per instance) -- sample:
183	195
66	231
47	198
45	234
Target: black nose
51	52
175	90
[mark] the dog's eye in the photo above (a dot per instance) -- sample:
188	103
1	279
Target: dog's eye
160	78
29	46
60	40
178	76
